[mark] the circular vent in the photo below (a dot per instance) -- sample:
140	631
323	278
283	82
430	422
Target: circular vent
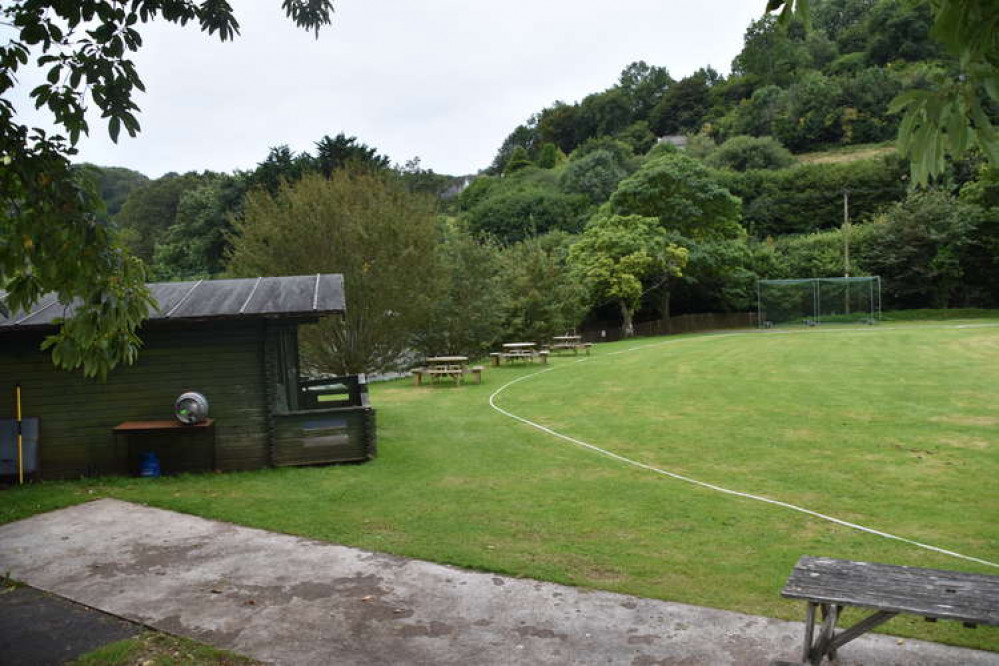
191	408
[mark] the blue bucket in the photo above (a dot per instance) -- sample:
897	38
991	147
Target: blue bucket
149	465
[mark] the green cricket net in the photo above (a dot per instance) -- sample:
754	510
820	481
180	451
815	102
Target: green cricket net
815	301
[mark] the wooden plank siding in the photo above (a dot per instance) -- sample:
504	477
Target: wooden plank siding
223	360
313	437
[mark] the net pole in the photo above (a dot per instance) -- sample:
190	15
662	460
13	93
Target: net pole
871	299
879	298
759	305
818	301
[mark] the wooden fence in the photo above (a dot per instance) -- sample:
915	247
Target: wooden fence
688	323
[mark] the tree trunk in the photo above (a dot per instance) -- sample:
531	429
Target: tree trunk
627	328
664	309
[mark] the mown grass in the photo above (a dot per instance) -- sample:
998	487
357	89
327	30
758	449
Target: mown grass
890	426
155	649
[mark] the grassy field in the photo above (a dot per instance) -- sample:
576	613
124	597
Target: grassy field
894	427
852	153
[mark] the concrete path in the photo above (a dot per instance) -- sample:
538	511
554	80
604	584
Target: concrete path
289	600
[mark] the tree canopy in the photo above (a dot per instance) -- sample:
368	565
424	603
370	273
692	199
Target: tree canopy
616	253
54	238
952	117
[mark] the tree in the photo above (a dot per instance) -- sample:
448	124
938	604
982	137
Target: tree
638	136
687	200
280	166
644	86
465	315
596	175
953	117
980	261
519	159
746	152
917	249
603	114
812	113
195	244
683	195
150	210
512	214
772	55
61	244
550	156
114	185
342	151
523	136
685	104
544	298
361	224
616	253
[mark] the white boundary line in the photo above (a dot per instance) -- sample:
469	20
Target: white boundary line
711	486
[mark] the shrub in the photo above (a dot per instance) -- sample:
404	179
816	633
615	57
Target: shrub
742	153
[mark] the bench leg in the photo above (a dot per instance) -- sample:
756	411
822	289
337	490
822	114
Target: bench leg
829	616
418	378
809	630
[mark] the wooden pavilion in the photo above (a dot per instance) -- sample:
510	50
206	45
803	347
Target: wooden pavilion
236	342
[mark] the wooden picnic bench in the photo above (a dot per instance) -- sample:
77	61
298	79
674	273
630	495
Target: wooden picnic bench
828	585
447	367
573	343
519	351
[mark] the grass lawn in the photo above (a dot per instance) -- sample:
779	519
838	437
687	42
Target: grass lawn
156	649
894	427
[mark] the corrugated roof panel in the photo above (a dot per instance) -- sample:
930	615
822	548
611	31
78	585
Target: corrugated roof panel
168	294
294	296
45	311
217	298
276	294
331	298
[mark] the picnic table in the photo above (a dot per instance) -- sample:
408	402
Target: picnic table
573	342
447	367
519	351
827	584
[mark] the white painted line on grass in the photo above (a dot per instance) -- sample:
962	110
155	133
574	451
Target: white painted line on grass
703	484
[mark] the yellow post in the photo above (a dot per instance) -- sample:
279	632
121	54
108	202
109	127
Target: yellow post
20	452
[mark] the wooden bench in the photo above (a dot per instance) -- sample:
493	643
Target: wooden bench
574	347
520	355
455	373
829	585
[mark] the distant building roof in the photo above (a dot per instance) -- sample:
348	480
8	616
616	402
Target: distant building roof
294	296
678	140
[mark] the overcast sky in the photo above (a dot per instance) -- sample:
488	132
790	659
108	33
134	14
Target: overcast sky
445	80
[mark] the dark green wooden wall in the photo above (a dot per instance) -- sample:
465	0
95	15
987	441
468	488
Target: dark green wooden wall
223	360
323	436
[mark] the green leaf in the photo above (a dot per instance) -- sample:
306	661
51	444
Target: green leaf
904	99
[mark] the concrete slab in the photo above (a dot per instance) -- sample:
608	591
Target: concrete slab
289	600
